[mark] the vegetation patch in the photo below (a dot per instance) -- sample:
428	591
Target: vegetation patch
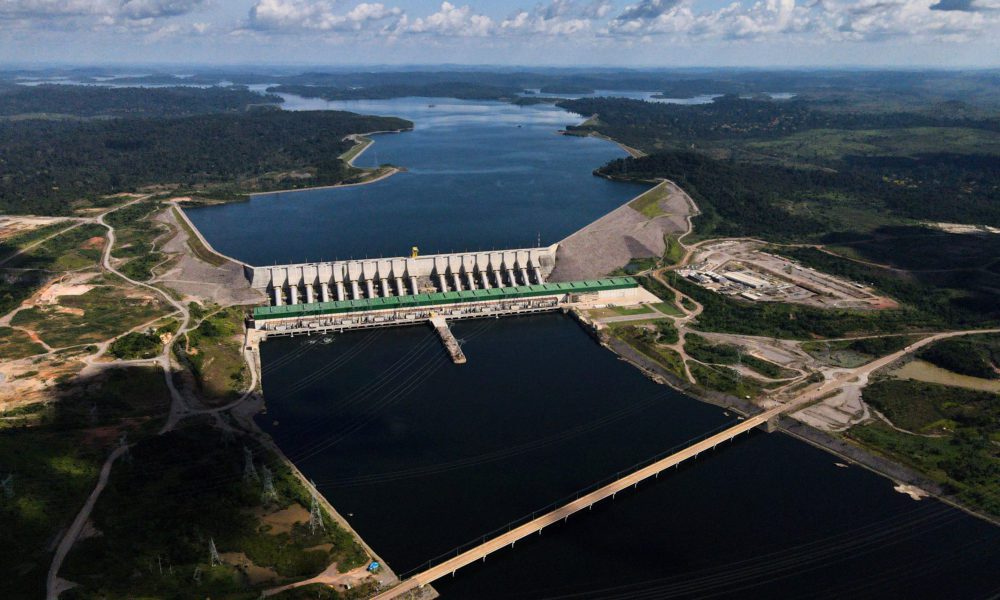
975	356
74	249
649	203
645	341
186	490
965	462
104	312
214	353
15	344
136	345
725	380
790	321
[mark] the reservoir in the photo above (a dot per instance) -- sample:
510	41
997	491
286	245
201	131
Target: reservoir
421	455
479	175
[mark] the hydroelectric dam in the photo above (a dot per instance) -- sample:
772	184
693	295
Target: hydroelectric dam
324	297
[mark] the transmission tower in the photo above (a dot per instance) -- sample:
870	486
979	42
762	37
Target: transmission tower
213	553
739	364
268	493
315	515
249	471
8	486
197	575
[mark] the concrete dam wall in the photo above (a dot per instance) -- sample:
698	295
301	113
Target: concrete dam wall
306	283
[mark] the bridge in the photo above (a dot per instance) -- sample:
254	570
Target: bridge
563	512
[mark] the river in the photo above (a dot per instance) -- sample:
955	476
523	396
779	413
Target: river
421	455
479	175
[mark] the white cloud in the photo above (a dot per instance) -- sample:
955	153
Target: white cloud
821	20
558	17
89	14
300	15
453	21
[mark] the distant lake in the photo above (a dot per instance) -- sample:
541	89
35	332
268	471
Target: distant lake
479	175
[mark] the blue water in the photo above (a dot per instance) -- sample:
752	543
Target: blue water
421	455
480	175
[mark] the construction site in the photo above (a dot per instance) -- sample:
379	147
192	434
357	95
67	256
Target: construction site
743	269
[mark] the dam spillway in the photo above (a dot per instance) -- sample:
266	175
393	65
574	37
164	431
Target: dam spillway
338	281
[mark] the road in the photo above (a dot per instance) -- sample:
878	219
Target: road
54	585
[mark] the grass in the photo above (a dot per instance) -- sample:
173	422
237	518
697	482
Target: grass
19	241
619	311
16	344
649	203
135	234
74	249
163	493
214	353
196	245
103	312
725	380
668	308
645	341
673	251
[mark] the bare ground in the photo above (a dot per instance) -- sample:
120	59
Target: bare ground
619	236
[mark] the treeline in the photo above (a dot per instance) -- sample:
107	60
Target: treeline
47	165
740	198
650	125
446	89
92	101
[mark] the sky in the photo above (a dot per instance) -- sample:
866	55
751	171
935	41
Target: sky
624	33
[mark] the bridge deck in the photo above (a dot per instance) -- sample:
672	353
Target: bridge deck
507	539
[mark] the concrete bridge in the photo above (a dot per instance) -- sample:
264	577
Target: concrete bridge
306	283
764	419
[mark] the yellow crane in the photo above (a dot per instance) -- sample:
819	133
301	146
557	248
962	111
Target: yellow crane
414	252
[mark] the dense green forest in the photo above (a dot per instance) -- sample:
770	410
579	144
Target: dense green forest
784	202
444	89
47	165
652	125
92	101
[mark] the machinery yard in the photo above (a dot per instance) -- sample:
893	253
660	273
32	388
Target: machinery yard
744	269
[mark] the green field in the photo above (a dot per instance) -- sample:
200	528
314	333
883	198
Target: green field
649	203
102	313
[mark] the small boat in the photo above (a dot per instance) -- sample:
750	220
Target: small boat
432	106
327	340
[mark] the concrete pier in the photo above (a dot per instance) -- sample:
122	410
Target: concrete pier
454	349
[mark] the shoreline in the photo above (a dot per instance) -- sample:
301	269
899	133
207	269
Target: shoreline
865	458
353	136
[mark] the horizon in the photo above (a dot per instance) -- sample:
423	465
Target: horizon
548	33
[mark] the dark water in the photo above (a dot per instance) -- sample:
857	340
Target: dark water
480	175
421	455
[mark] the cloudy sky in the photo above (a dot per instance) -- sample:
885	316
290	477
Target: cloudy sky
522	32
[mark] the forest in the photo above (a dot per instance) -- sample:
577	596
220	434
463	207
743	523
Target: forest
47	165
652	125
93	101
444	89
